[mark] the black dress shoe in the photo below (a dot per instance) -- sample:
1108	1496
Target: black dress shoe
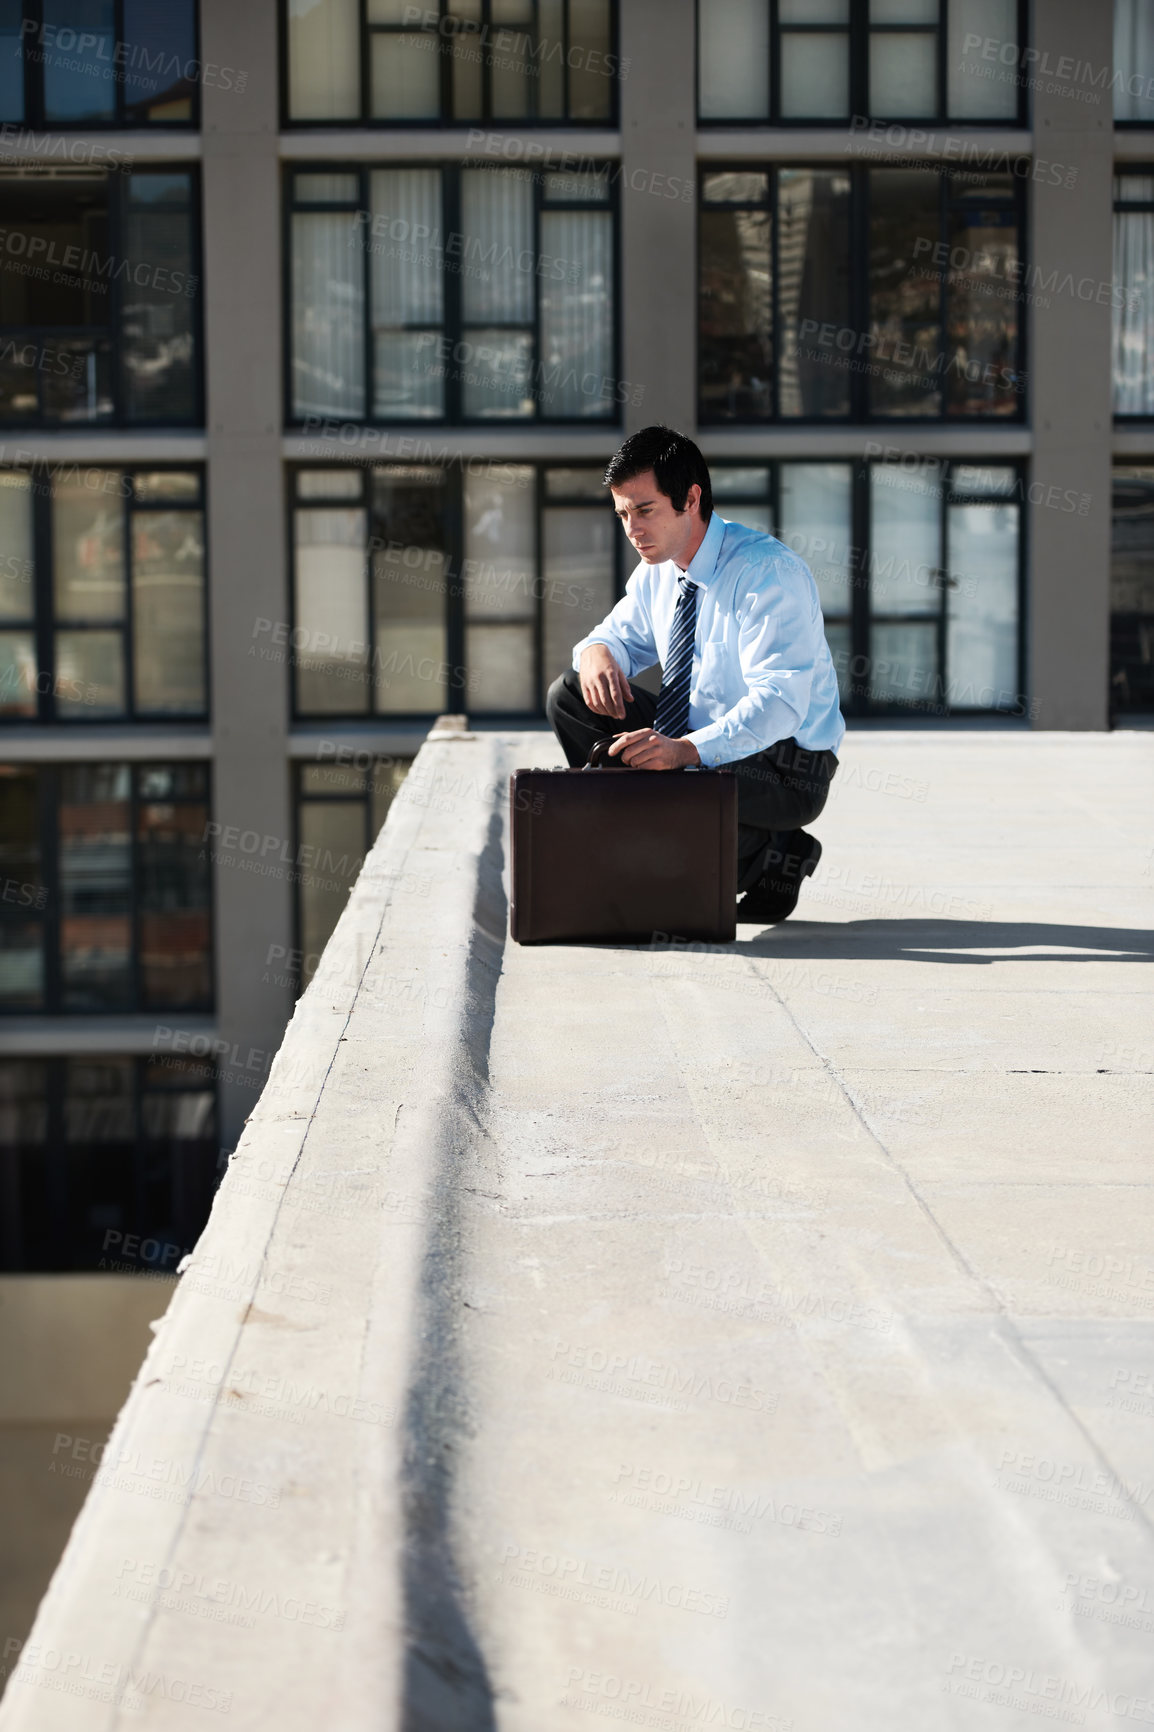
774	897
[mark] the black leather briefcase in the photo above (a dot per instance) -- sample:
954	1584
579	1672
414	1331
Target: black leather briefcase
623	855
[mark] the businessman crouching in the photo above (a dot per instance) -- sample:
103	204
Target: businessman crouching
733	617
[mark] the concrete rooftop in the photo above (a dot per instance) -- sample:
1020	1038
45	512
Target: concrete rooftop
757	1337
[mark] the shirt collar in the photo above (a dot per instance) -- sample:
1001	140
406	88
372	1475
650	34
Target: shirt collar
704	562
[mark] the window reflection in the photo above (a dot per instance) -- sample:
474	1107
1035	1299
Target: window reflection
98	1151
122	920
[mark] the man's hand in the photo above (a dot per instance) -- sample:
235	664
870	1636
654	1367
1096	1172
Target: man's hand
644	749
603	685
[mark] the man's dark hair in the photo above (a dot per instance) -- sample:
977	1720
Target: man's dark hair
674	459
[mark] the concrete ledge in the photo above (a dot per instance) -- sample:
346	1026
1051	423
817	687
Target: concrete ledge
594	1326
306	1299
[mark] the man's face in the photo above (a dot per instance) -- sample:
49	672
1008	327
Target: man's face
649	520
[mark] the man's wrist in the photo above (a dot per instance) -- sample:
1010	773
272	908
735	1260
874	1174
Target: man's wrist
694	754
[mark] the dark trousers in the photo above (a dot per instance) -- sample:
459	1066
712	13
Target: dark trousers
778	790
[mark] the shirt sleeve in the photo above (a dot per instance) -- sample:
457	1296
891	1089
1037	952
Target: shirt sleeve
780	639
627	631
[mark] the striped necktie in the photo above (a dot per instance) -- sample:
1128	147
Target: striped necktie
672	718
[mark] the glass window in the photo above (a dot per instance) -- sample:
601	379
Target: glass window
111	335
18	685
1132	591
1133	330
98	1152
1133	78
511	60
814	75
323	59
979	88
816	522
405	76
943	565
903	663
409	578
121	922
173	888
511	562
95	829
500	590
809	507
982	605
23	893
74	91
94	63
777	336
980	346
340	811
903	73
160	70
813	289
331	609
509	315
905	540
158	302
56	366
904	300
733	63
809	62
579	571
735	348
497	294
916	566
114	566
328	340
333	842
577	315
11	60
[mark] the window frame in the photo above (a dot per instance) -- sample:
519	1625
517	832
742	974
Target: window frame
861	617
859	413
45	625
859	31
34	119
48	793
118	210
445	120
452	330
456	698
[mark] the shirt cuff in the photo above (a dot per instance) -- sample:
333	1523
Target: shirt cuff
711	743
614	648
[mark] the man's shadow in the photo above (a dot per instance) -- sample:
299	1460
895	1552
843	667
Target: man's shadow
960	941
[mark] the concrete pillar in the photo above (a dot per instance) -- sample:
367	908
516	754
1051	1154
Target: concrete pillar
246	541
658	213
1071	233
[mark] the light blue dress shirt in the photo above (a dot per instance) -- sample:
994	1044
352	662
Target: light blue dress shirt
762	670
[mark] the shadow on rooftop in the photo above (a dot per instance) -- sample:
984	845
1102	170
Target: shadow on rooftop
960	941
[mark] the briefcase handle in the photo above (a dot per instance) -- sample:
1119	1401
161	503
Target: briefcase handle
599	758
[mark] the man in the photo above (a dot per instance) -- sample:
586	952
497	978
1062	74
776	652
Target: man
734	619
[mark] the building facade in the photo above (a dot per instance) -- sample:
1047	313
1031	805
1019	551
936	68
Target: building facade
318	322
